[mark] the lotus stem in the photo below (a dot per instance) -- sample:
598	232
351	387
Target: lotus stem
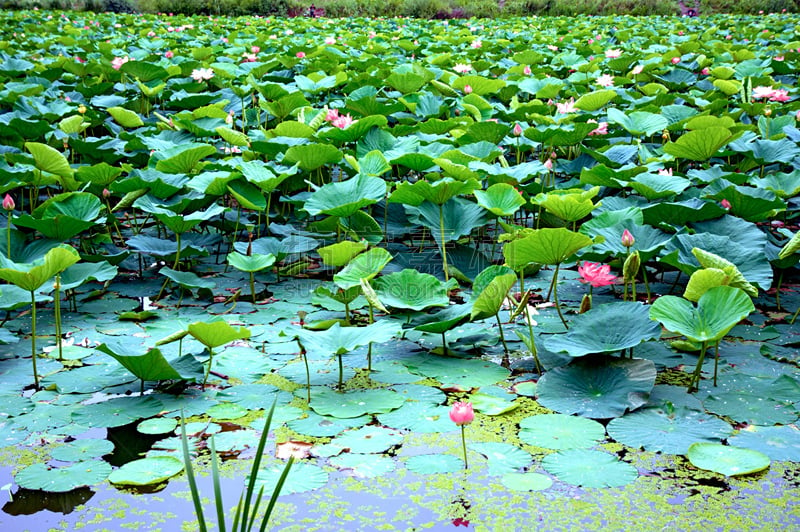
208	369
8	236
794	317
777	290
646	284
33	340
178	252
502	336
444	344
716	361
444	253
57	312
341	372
555	296
253	286
695	382
266	214
534	351
464	446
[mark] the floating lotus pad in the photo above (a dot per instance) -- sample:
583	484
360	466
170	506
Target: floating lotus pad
420	417
560	431
526	481
465	372
590	469
431	464
779	443
325	426
117	412
302	477
727	460
83	449
355	403
147	471
502	457
61	479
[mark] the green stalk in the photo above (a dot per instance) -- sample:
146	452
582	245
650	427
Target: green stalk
716	361
694	383
177	253
8	236
341	371
253	286
217	489
208	369
275	494
464	446
57	310
444	344
534	351
444	253
555	296
33	340
187	464
502	336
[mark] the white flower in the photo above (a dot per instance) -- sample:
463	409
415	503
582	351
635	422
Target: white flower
202	74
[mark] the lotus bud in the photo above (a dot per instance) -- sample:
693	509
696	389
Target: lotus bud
82	109
8	203
106	193
665	135
467	89
725	204
517	130
767	111
586	304
631	266
627	239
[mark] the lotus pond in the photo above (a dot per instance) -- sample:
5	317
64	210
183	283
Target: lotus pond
586	228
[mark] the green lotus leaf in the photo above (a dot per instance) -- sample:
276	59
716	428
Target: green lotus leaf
340	253
717	311
702	281
780	443
309	157
419	417
751	204
31	276
339	340
77	274
544	246
146	471
344	198
364	465
654	187
590	469
157	425
182	159
593	101
411	289
560	135
596	387
217	333
727	460
526	481
791	247
466	373
560	431
490	299
364	266
638	122
144	71
324	426
248	196
437	192
64	216
700	145
117	412
502	457
187	280
82	449
264	177
354	131
432	464
48	159
456	218
570	207
250	263
356	403
501	199
148	366
62	479
369	439
444	320
670	430
125	117
406	82
606	329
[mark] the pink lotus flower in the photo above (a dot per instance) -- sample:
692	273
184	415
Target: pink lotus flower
517	130
255	49
249	58
117	62
476	43
566	107
330	40
779	95
552	48
150	34
526	70
725	204
462	68
548	163
224	39
8	203
627	239
467	89
778	58
596	274
665	171
169	54
762	92
342	121
331	115
601	129
613	53
462	413
605	80
637	70
202	74
705	71
675	60
300	55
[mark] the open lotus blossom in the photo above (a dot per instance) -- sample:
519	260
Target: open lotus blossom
462	68
675	60
566	107
342	121
476	43
705	71
637	70
762	92
249	58
605	80
596	274
202	74
169	54
779	95
117	62
665	171
613	53
331	115
330	40
552	47
601	129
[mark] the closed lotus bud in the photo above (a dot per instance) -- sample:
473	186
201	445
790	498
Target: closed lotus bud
106	193
8	203
665	135
767	111
467	89
631	266
627	239
517	130
82	109
586	304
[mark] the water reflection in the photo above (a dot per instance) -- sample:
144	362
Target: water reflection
28	502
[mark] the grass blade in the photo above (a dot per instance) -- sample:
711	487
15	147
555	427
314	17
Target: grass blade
187	464
248	496
217	490
275	493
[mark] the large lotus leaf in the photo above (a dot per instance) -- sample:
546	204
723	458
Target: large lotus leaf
459	215
354	131
654	187
779	443
680	213
479	84
486	276
148	366
526	481
606	329
544	246
638	122
77	274
597	387
431	464
182	159
369	439
339	340
749	258
63	216
560	431
247	195
263	176
444	320
343	198
717	311
590	469
31	276
491	298
62	479
321	426
309	157
437	192
117	412
187	280
751	204
785	186
704	280
352	404
765	151
791	247
250	263
147	471
593	101
491	405
502	457
467	373
501	199
560	135
82	449
302	477
649	241
411	289
668	430
735	277
181	223
700	145
48	159
419	417
217	333
364	266
726	460
756	409
364	465
568	207
340	253
125	117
